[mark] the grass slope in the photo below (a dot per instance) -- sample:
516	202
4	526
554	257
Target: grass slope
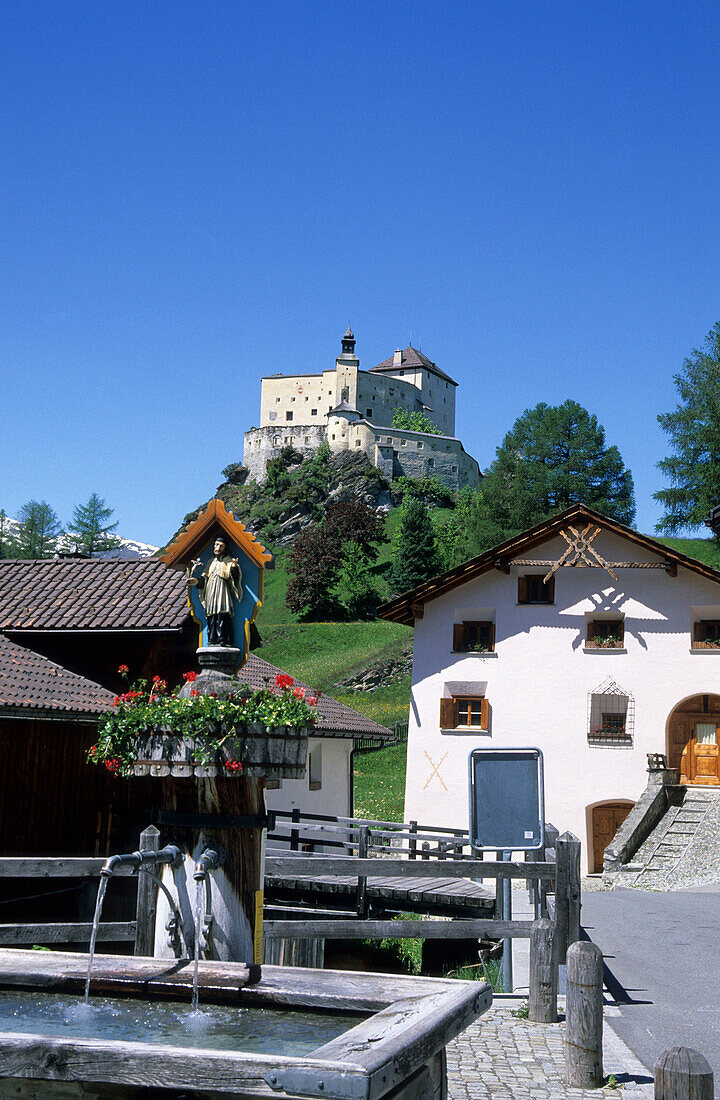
704	550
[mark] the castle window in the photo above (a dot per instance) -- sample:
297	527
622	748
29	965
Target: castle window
419	445
454	469
276	441
292	398
368	412
431	462
357	442
307	398
288	415
313	412
333	436
277	400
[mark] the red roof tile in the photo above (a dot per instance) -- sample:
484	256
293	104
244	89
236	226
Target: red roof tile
91	594
31	682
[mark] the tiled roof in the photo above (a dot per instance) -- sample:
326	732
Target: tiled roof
411	357
31	682
332	716
91	594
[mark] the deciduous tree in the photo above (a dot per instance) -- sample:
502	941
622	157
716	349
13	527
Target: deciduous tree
693	427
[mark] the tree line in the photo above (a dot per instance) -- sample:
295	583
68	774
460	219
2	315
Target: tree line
37	531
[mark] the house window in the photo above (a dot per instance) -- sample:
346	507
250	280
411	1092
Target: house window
533	589
611	715
288	416
464	712
605	634
706	634
474	637
315	768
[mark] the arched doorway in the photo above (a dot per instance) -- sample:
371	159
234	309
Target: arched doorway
604	820
693	740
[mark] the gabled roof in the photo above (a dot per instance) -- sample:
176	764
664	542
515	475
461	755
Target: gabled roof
30	683
334	719
91	594
212	521
411	357
400	610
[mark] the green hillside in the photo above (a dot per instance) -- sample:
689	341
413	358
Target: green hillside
705	550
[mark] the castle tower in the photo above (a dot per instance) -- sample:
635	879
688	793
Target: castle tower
346	371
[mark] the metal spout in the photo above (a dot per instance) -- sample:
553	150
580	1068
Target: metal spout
136	860
210	860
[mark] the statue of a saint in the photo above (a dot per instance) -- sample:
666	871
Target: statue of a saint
219	585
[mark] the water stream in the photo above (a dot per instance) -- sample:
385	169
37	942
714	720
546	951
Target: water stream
199	910
104	879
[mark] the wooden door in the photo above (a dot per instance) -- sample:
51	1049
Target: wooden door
606	820
701	757
680	733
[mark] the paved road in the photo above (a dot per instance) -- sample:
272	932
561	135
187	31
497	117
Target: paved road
664	951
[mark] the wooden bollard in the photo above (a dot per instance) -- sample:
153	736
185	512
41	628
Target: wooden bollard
567	892
542	1003
584	1016
683	1074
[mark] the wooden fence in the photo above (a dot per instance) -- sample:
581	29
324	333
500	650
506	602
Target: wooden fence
141	931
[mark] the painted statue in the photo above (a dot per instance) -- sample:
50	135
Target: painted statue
220	589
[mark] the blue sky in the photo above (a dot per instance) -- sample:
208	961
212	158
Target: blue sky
193	195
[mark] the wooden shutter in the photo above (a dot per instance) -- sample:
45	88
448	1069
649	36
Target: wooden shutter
491	637
698	632
591	632
484	715
448	716
459	644
522	590
550	590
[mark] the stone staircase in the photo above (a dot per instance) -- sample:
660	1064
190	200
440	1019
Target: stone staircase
684	848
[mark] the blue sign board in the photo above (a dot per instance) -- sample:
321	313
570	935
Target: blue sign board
507	804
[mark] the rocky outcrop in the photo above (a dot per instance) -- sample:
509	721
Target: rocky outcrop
379	674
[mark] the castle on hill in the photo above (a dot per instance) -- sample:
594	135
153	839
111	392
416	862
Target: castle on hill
352	410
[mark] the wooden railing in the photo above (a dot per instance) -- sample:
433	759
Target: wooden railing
141	930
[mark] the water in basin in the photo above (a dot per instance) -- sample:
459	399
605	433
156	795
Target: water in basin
171	1023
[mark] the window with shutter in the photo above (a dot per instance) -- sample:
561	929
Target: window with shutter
464	712
474	637
605	634
533	589
706	634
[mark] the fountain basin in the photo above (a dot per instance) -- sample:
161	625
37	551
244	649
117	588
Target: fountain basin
396	1051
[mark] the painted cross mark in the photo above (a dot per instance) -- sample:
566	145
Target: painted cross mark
435	770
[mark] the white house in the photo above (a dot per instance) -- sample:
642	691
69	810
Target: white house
581	637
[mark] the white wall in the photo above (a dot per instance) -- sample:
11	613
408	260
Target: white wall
539	678
335	795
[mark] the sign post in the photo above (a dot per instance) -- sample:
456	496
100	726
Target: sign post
507	814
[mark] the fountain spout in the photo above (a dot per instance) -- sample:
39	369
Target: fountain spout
210	860
137	860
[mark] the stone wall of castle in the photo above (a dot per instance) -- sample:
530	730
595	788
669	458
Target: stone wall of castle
396	453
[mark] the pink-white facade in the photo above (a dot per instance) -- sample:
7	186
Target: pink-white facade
546	687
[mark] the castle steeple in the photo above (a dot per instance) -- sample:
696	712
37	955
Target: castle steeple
348	342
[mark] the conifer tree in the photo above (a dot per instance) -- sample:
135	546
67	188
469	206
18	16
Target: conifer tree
38	529
416	555
694	430
90	530
8	542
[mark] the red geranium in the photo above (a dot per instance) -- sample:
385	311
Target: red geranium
283	680
123	670
190	677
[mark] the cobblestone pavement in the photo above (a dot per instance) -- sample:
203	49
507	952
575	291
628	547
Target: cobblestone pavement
500	1057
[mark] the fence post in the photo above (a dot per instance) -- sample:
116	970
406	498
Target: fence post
542	1003
295	833
362	900
412	842
567	893
147	894
584	1016
425	850
683	1074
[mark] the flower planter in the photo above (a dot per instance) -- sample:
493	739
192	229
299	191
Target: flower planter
276	752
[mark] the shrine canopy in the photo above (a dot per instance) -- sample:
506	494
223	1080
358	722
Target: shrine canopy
197	541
